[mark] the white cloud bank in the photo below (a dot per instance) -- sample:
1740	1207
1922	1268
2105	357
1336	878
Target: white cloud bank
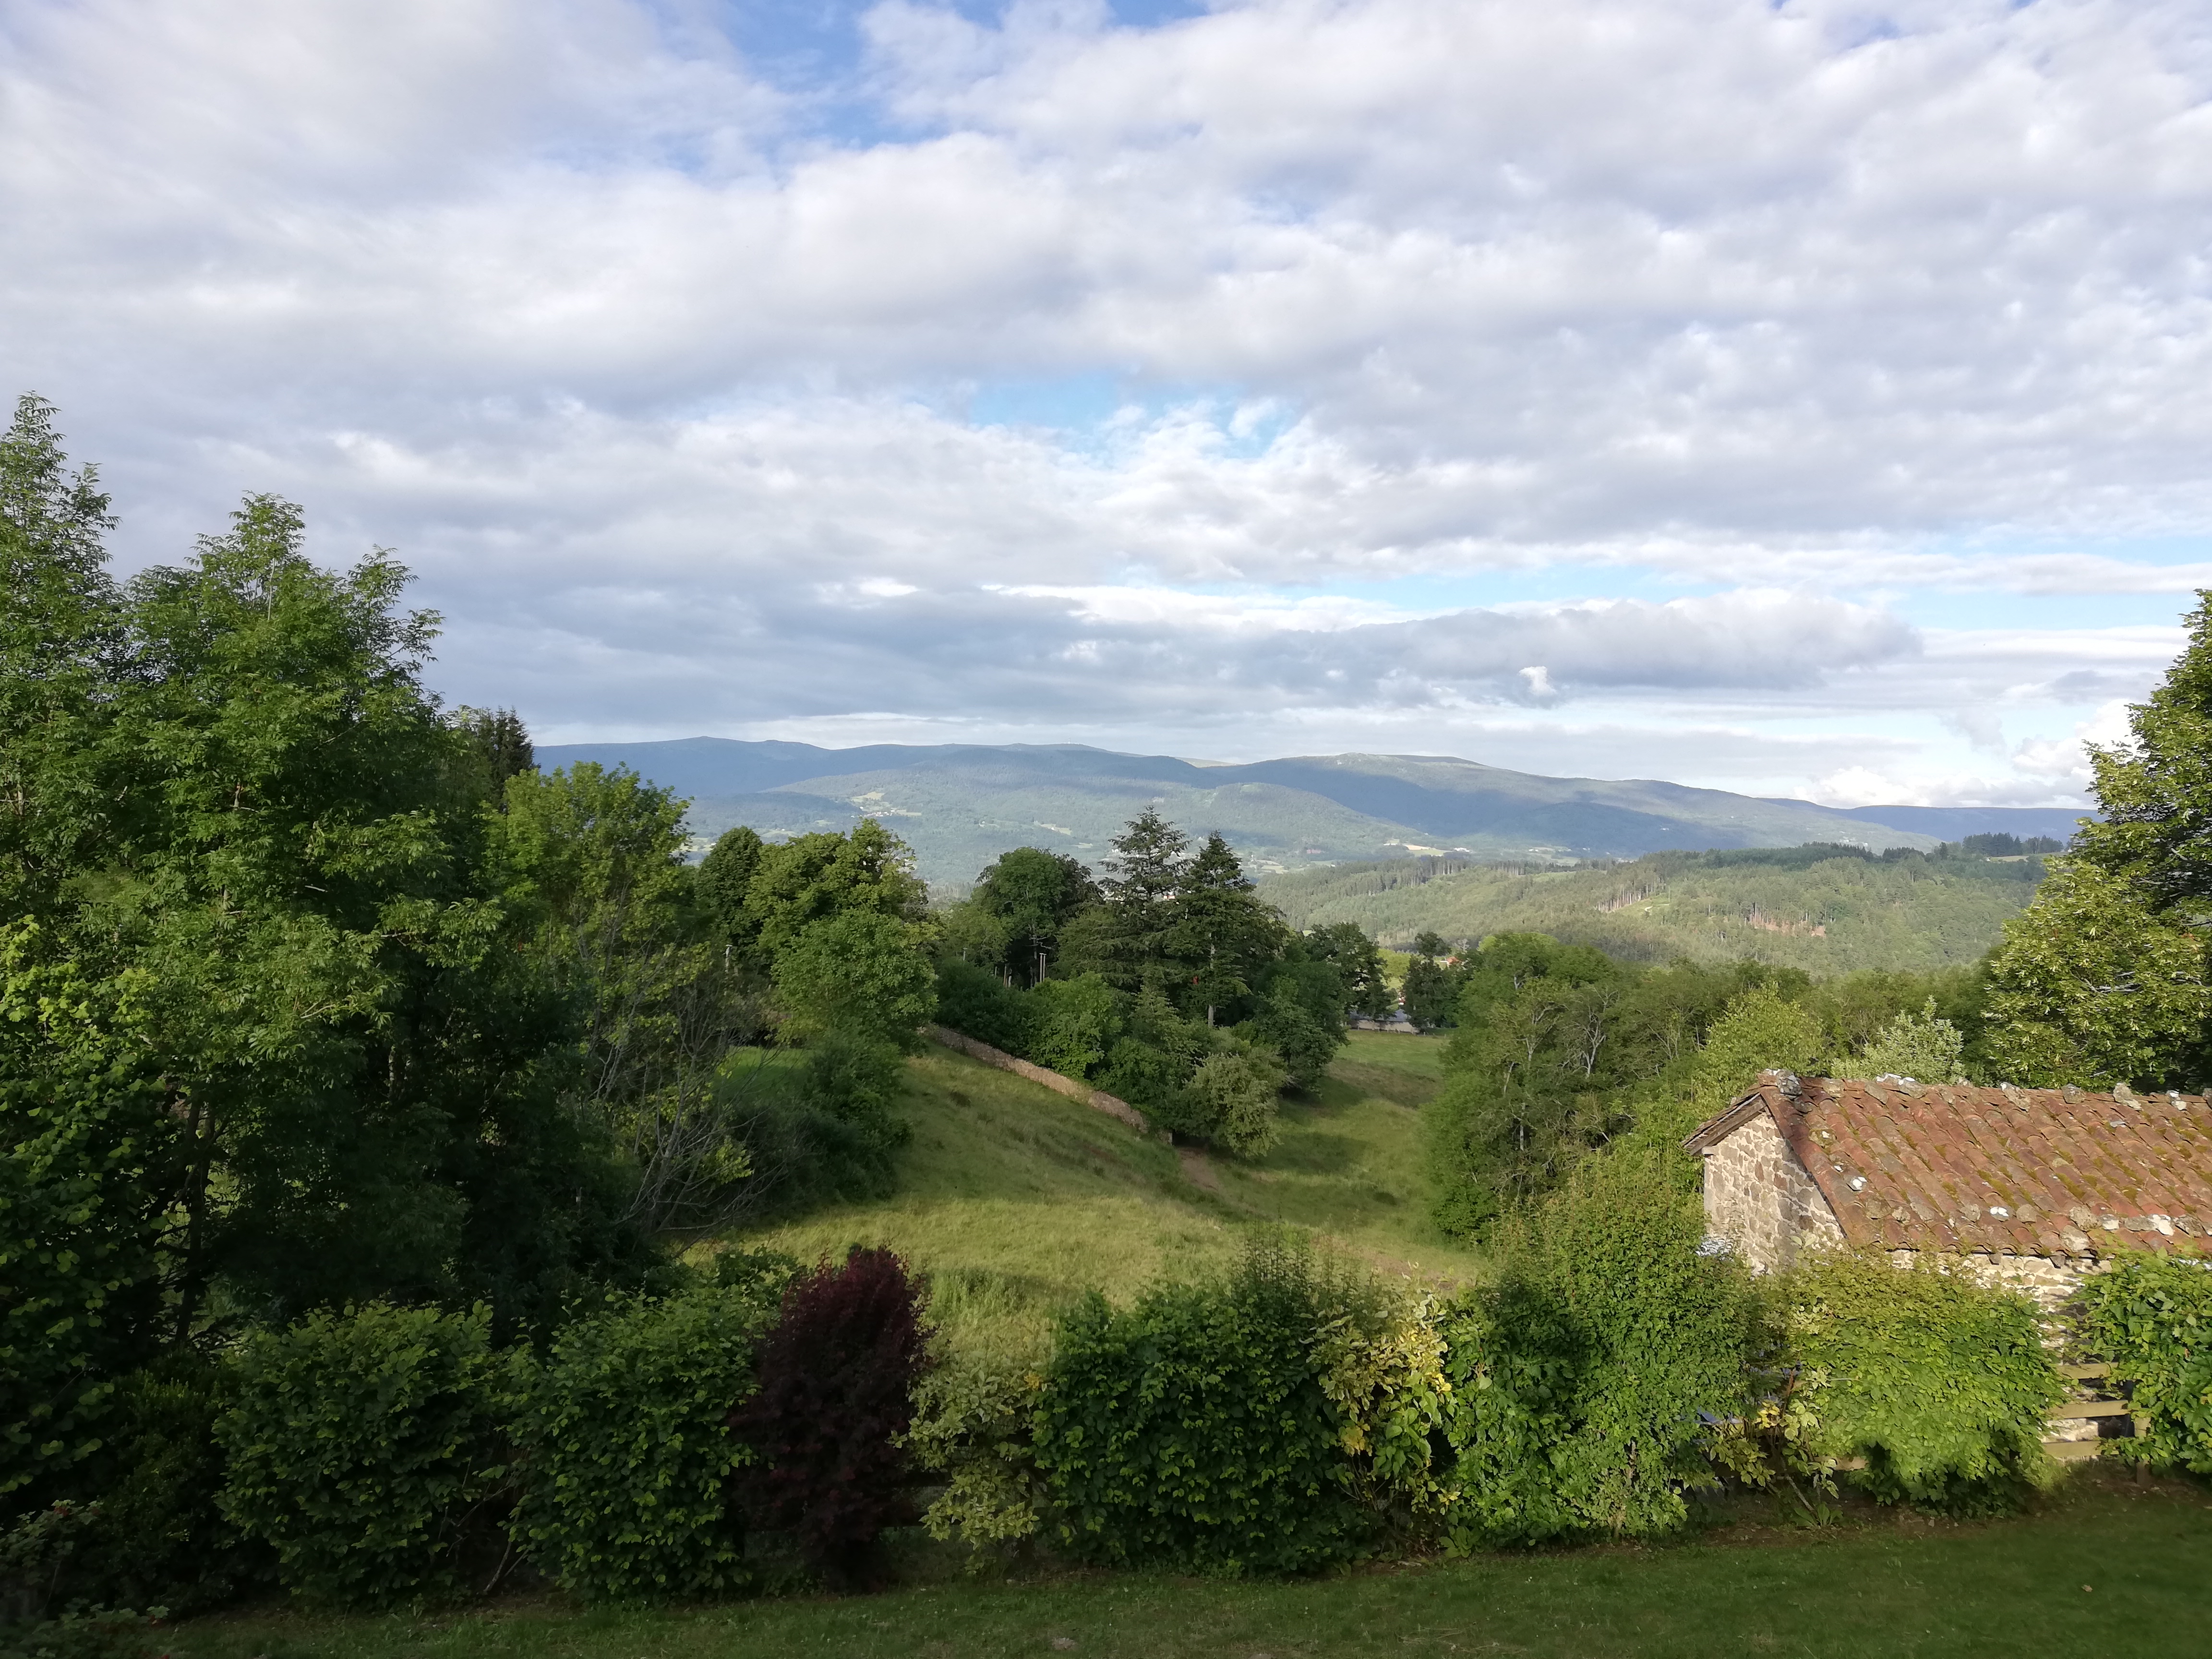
1765	324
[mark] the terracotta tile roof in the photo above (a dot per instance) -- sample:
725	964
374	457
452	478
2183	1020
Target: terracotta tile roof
2050	1172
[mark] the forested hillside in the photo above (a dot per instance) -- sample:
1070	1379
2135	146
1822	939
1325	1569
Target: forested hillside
1824	909
958	807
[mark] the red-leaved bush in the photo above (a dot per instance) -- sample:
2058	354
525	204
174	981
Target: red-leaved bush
836	1379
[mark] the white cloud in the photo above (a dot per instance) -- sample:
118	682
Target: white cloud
1766	319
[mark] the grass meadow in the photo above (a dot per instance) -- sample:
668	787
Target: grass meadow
1015	1200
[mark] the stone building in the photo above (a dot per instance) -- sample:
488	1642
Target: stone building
2033	1188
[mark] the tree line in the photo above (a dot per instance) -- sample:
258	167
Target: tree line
315	994
1166	981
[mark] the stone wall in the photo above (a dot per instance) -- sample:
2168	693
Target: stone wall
2050	1284
1097	1099
1760	1198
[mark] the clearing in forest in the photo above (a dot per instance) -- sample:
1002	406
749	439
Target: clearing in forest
1015	1200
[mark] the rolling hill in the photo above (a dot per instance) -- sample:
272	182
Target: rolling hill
1016	1200
960	805
1824	911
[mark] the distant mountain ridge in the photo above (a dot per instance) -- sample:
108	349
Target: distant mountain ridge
960	805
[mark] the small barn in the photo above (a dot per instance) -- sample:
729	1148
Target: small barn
2031	1188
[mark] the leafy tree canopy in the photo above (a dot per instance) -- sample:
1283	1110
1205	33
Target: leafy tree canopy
2104	977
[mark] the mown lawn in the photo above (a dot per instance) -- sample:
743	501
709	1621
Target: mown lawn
2105	1567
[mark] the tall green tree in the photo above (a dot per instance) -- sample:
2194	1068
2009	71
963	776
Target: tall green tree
1032	895
2104	977
276	1040
1345	947
1130	939
1226	934
810	878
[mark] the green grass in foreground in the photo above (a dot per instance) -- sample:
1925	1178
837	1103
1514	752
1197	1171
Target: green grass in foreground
1015	1200
2104	1567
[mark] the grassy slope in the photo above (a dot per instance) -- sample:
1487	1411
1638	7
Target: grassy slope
2105	1568
1905	916
1016	1200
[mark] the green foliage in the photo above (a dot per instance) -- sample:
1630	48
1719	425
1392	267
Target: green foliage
972	1425
159	1536
1345	947
1941	1384
2151	1316
725	882
816	1126
1758	1031
2105	978
1222	933
858	971
1560	1051
1076	1021
502	742
1924	1047
2097	984
1581	1378
977	1001
1027	897
358	1443
1306	1042
1192	1430
91	1156
1232	1095
810	878
627	1444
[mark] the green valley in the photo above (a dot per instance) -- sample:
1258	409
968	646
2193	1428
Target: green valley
1826	910
1015	1200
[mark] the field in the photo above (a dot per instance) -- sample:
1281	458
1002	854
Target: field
1016	1200
2104	1567
1791	907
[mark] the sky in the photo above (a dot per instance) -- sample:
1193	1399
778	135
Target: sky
1805	400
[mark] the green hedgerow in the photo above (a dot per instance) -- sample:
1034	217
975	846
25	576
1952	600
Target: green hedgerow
1193	1430
628	1447
355	1442
1942	1385
1587	1377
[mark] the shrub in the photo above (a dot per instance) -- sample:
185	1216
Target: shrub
160	1537
855	1078
977	1001
972	1425
358	1442
1232	1094
1305	1041
2151	1316
860	972
1924	1046
836	1383
1076	1023
816	1125
1194	1430
1941	1384
1583	1376
627	1441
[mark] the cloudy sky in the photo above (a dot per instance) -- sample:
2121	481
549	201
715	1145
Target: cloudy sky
1806	398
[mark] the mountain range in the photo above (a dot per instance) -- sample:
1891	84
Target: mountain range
960	805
